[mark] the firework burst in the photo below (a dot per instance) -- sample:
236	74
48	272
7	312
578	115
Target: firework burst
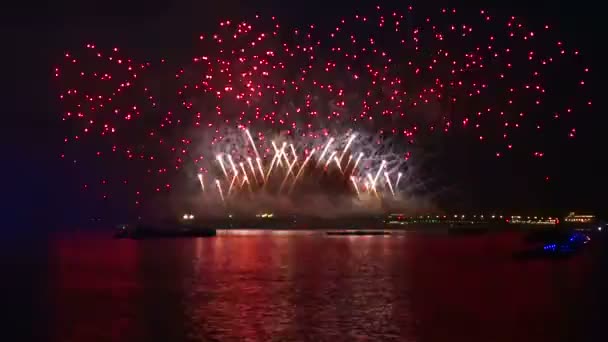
269	109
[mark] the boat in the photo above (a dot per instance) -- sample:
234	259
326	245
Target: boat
163	230
573	243
557	245
468	228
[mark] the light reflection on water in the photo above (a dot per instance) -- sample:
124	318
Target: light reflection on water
257	285
318	232
268	232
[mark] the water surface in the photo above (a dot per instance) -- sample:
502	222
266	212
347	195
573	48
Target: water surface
305	286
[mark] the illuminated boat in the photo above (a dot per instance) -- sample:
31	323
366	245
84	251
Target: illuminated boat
557	245
573	243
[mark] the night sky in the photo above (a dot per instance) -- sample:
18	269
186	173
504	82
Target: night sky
41	188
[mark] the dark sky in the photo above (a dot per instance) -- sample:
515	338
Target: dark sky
39	188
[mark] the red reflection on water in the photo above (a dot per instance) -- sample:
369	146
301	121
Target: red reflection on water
312	287
94	283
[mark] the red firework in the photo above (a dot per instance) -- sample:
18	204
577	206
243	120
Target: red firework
497	78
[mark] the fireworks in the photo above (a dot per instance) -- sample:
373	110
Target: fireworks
287	169
266	108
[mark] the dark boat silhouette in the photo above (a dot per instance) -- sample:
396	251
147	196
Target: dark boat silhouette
164	230
468	228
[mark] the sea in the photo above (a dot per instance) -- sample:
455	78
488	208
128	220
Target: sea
248	285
